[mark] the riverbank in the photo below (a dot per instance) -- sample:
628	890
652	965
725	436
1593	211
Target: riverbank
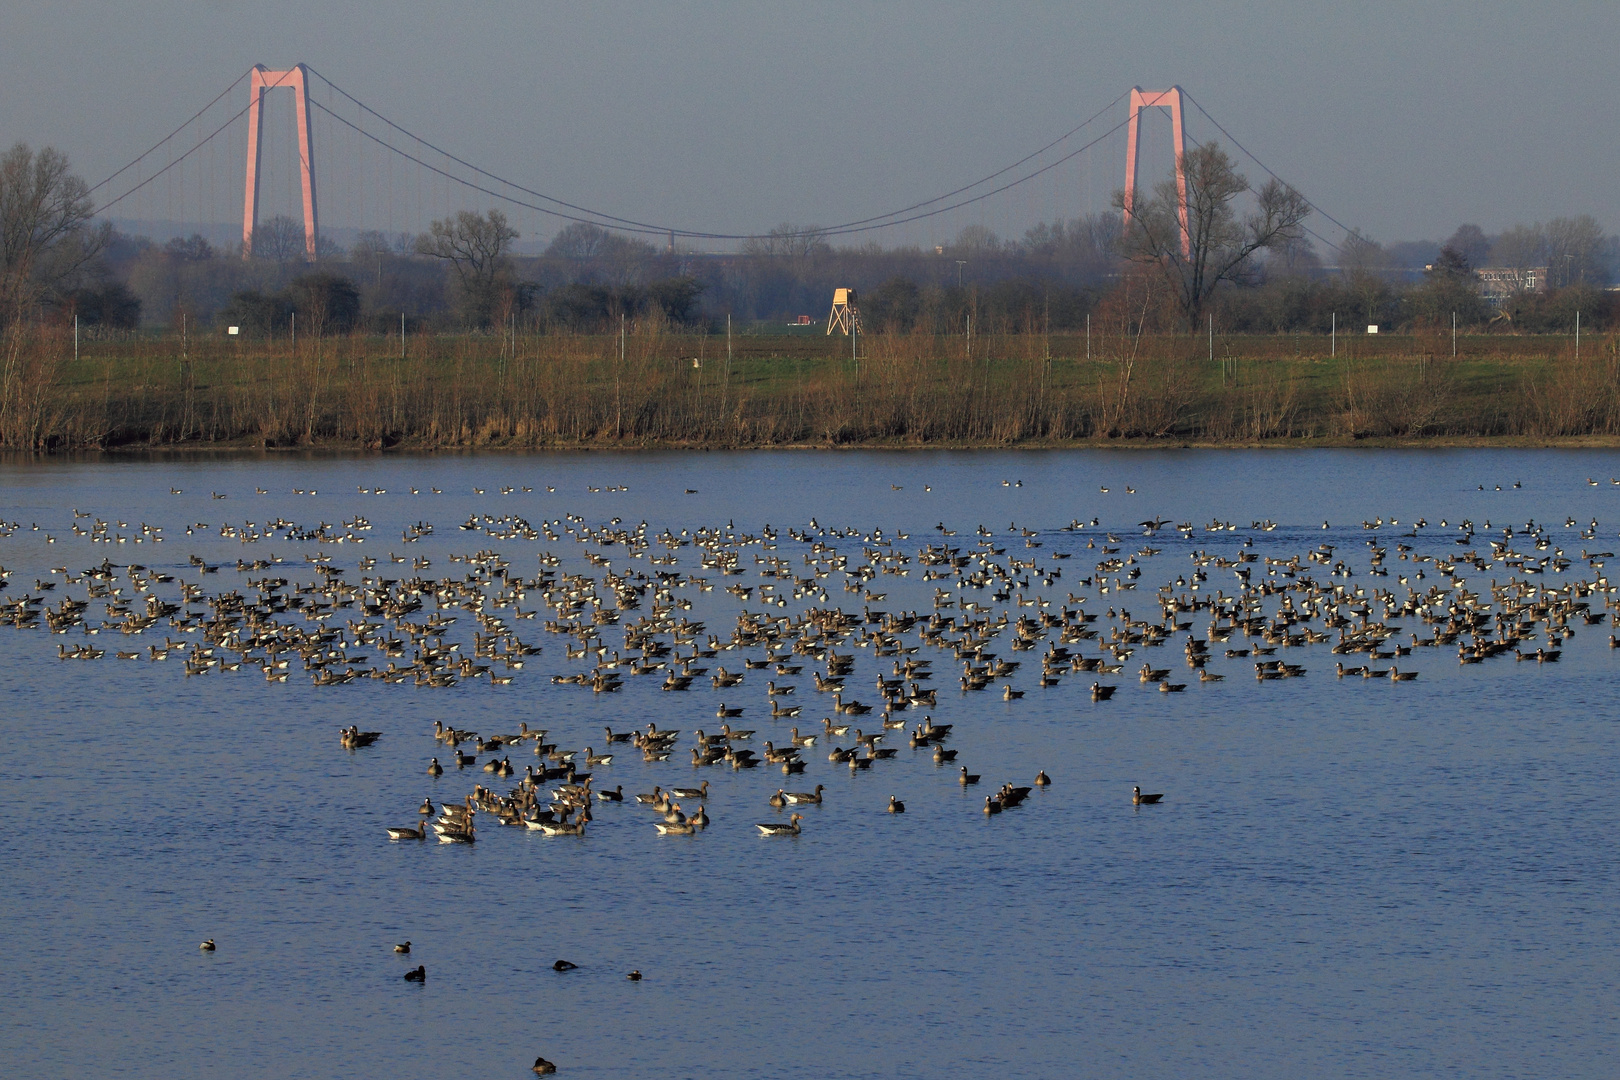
661	389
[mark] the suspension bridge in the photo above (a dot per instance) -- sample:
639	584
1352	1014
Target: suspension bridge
316	153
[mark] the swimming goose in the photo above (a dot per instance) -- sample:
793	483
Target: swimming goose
896	806
1139	799
418	975
616	795
403	947
778	800
207	946
991	806
806	796
653	799
417	833
426	807
1042	780
967	777
564	965
542	1067
434	768
634	976
943	756
776	828
690	792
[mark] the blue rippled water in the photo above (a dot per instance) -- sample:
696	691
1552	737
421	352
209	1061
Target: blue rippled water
1346	878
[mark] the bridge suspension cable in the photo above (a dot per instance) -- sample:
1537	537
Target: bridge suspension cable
552	206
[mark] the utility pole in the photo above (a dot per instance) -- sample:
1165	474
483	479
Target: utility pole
1212	337
402	335
1333	336
959	264
1577	335
294	331
1088	335
75	337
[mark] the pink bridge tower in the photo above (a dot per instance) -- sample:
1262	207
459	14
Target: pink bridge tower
296	79
1148	99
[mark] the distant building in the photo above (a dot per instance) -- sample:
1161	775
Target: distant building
1499	283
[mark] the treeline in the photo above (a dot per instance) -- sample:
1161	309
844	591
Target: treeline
1253	268
1055	278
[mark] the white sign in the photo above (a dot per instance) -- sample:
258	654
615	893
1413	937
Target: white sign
1373	328
233	331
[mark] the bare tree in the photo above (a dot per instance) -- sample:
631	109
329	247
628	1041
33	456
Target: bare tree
476	246
45	232
1220	248
279	240
795	242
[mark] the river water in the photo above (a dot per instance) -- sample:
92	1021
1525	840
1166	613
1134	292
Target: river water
1347	877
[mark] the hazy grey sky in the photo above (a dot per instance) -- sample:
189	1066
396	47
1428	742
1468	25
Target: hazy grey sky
1401	118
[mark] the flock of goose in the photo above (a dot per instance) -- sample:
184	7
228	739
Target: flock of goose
1008	608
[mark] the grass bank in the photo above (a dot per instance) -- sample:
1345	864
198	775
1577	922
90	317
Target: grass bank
659	387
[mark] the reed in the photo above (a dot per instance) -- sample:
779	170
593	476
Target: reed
667	386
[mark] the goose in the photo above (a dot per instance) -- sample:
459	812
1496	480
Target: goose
562	828
403	947
991	806
806	796
593	758
1205	675
943	756
419	832
434	768
1166	687
426	807
776	828
564	965
634	976
727	733
801	740
699	820
967	778
896	806
723	711
419	974
207	946
834	729
675	828
789	768
1099	692
458	836
778	800
542	1067
616	795
1009	694
618	736
1139	799
1397	675
690	792
849	708
1042	780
